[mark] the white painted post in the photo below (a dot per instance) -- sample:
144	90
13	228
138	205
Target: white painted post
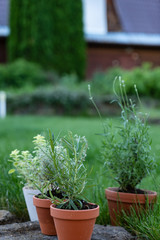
2	104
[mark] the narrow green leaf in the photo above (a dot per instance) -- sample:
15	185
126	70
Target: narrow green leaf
73	205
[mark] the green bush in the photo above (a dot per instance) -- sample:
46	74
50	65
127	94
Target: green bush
145	77
47	91
53	101
102	82
45	33
21	73
60	101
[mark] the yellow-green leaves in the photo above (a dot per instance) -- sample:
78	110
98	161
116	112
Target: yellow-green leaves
11	171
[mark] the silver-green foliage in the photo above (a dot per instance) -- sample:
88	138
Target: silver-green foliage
127	148
68	156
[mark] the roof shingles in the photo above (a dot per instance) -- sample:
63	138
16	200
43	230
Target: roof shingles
4	13
139	16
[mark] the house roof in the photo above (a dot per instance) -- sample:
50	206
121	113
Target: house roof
4	17
139	16
140	22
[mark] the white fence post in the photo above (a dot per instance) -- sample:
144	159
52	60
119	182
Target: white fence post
2	104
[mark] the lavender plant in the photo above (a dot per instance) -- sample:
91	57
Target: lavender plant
127	148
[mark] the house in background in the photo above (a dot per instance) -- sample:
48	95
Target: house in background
4	29
127	35
118	32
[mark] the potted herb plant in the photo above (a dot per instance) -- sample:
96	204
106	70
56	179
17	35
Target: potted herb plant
74	217
27	165
33	168
127	153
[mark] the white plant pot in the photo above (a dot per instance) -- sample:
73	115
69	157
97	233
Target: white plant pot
28	196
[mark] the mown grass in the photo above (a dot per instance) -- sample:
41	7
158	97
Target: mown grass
18	131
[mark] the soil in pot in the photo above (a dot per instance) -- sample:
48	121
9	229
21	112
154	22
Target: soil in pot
43	211
84	205
75	224
118	201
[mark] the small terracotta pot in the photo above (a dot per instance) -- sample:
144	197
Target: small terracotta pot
118	201
45	220
74	224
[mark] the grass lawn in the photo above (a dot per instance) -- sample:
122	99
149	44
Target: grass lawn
18	131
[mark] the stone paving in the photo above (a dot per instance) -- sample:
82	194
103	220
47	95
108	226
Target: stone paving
31	231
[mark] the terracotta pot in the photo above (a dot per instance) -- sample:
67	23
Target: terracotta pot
74	224
119	200
45	220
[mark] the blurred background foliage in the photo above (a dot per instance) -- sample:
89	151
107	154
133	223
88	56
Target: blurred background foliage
33	90
45	34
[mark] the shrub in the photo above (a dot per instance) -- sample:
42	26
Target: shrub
21	73
59	101
102	82
146	80
45	33
145	77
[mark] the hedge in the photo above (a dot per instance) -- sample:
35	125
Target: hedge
50	34
69	45
58	102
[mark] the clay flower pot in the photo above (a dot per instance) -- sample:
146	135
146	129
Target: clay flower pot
119	200
45	220
74	224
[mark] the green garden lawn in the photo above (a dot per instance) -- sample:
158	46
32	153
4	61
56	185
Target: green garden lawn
17	132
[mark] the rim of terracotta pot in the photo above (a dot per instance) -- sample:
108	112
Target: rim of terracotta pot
74	214
44	203
112	194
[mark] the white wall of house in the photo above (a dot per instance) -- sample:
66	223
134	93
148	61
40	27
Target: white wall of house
95	16
4	31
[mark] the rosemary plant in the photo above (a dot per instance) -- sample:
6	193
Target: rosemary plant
68	160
